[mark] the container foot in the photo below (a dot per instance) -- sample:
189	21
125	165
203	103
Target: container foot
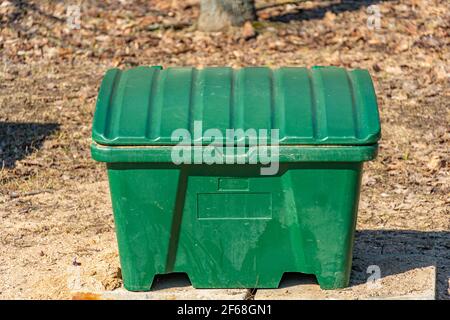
140	286
336	281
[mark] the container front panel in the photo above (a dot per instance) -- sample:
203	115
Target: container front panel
229	227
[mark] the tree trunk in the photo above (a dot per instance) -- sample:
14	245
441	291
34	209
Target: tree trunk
217	15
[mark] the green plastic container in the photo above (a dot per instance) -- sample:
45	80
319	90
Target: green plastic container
226	225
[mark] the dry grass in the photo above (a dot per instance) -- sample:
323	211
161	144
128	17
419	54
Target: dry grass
54	205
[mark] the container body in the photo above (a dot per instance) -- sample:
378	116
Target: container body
227	226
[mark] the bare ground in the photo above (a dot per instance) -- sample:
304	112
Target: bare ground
55	212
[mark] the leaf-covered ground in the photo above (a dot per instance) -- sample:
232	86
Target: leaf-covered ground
54	203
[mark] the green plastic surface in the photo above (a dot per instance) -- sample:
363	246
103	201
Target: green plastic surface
227	226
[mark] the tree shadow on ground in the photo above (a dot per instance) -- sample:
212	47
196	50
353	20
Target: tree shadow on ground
395	252
422	247
320	11
18	140
24	6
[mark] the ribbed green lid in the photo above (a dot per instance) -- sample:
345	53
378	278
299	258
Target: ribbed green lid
318	106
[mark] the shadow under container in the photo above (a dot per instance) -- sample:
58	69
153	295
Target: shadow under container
226	225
